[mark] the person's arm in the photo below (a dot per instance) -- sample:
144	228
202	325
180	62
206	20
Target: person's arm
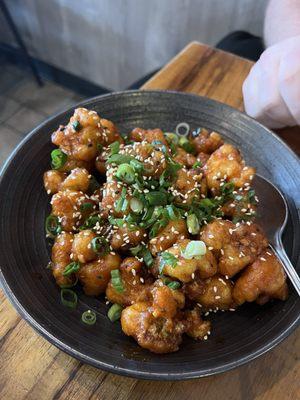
282	21
272	89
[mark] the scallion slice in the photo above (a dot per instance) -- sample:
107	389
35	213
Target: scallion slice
114	148
100	246
58	158
71	268
125	173
157	198
53	226
136	205
167	258
193	224
173	285
76	125
116	280
195	248
114	313
68	298
89	317
119	159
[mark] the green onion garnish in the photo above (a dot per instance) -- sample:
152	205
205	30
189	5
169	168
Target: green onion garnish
136	205
76	125
119	159
141	251
173	285
137	165
186	145
58	158
68	298
195	248
167	258
89	317
114	313
71	268
122	203
116	280
171	137
100	245
125	173
157	198
114	148
192	224
197	164
86	206
90	222
53	226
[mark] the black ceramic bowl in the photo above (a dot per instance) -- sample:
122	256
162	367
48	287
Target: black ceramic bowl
237	337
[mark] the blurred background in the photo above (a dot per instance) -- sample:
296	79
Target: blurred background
81	48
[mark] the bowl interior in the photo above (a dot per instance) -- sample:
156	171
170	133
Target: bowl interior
24	253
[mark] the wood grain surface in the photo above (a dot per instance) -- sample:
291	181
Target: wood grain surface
31	368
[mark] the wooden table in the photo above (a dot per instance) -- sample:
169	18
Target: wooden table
31	368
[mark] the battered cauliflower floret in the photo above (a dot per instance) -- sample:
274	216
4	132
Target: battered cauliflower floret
188	184
155	325
217	233
53	180
82	249
261	281
85	130
246	243
126	237
149	135
166	301
184	158
112	192
176	229
214	293
95	275
60	257
242	207
195	326
67	206
185	270
207	142
226	164
136	285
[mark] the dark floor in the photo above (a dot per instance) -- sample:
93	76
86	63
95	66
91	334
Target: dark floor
23	105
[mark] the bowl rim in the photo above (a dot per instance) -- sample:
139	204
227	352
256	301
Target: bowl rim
122	370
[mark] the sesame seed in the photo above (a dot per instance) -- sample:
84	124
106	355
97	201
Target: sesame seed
217	297
262	259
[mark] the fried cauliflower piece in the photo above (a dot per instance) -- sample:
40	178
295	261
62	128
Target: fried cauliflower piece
226	164
85	130
214	293
125	237
136	286
82	249
207	142
95	275
195	326
185	270
261	281
71	164
155	325
149	135
217	233
67	206
184	158
167	236
53	180
246	243
242	207
188	183
60	257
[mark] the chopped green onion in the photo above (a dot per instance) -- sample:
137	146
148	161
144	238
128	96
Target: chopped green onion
122	203
167	258
197	164
196	132
182	126
195	248
173	212
53	226
76	125
251	196
143	252
119	159
136	205
90	222
114	148
173	285
68	298
186	145
125	173
137	165
157	198
86	206
171	137
69	285
192	224
89	317
100	245
114	313
58	158
71	268
116	280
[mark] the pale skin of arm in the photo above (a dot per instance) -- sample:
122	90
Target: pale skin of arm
271	90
